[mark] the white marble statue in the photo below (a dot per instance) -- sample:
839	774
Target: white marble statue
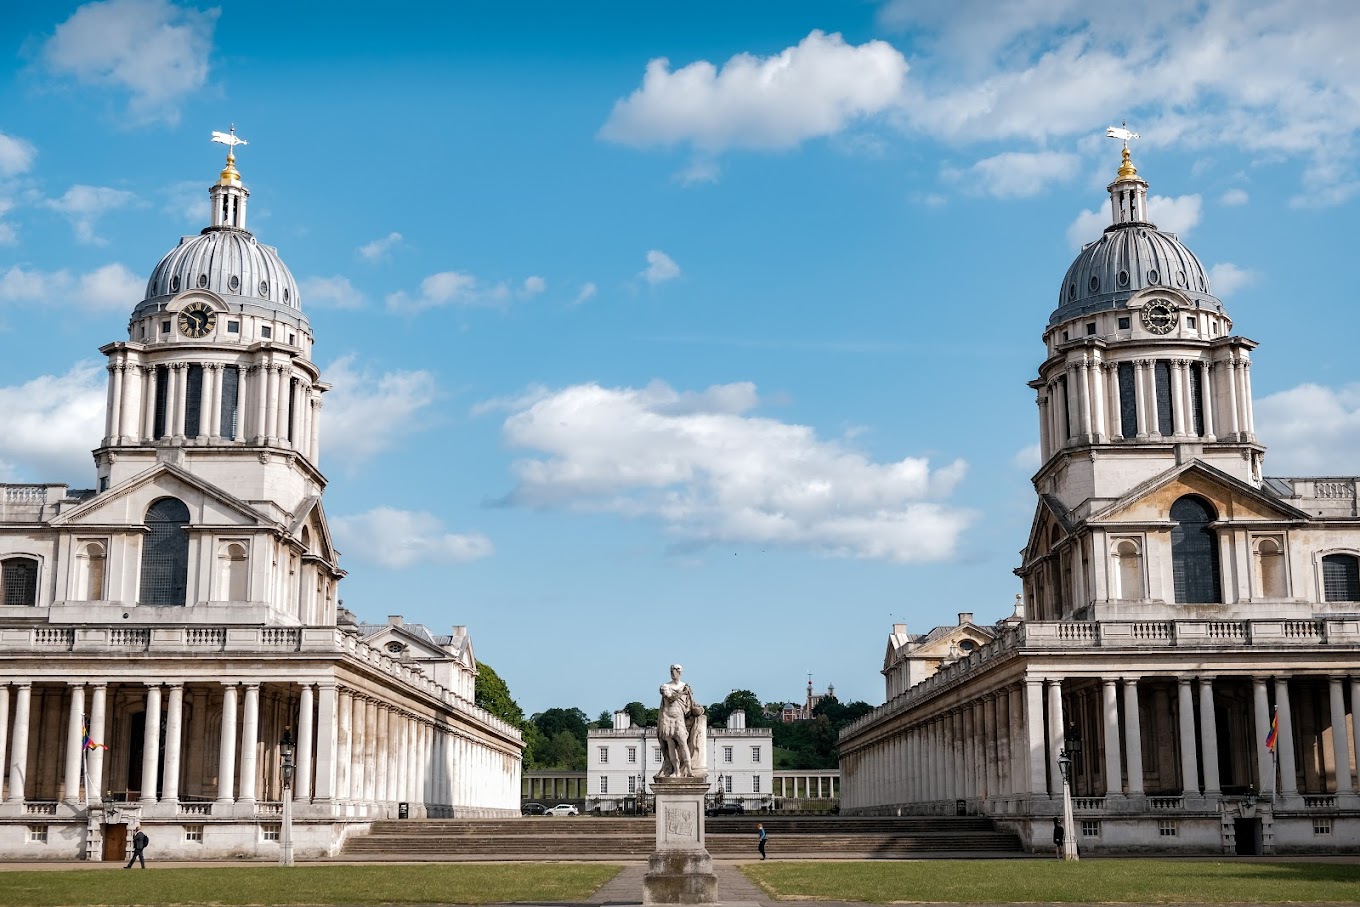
682	729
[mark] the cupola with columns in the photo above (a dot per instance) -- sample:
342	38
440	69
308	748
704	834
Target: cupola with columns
216	375
1143	370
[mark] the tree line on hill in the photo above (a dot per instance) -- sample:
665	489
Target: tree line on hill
556	739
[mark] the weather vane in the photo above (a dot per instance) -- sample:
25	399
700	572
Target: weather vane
1121	132
230	139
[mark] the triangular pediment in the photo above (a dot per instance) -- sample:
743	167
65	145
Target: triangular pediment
126	504
1049	515
1233	499
311	516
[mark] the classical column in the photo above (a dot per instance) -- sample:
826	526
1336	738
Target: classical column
1208	733
174	722
1234	414
1208	401
1111	378
150	379
18	742
250	731
226	746
115	413
1096	374
271	418
180	384
1034	727
151	743
1081	372
357	748
302	778
130	421
75	720
381	751
1018	745
990	747
1341	750
98	707
372	732
344	739
327	744
1248	417
1284	743
205	401
1265	762
1056	736
314	451
393	748
4	735
1178	397
1141	367
1109	703
257	397
1133	736
1185	706
215	423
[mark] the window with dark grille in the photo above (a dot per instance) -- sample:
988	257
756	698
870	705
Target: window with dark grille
231	390
19	577
1194	552
292	393
1340	578
1197	398
162	380
1162	369
1128	401
1066	414
193	398
165	553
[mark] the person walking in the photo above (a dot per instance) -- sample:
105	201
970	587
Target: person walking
139	842
760	830
1058	838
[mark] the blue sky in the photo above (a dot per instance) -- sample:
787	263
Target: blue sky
677	332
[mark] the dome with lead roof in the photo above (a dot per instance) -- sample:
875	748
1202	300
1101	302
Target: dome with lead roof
1131	256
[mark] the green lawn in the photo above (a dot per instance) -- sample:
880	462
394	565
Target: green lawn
1088	881
451	883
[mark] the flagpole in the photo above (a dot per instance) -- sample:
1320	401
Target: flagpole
85	756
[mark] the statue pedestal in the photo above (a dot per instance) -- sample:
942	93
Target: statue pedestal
680	871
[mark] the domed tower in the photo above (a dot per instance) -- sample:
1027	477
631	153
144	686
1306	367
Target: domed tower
216	376
1143	372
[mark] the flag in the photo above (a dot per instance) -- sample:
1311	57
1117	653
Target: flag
1273	737
86	742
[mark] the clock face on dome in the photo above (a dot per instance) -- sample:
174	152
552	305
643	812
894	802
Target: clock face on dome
1159	316
197	319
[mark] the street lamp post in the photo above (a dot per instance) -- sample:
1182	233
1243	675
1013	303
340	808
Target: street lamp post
286	751
1071	749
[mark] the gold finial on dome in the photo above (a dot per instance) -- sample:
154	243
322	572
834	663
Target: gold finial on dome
1126	169
231	140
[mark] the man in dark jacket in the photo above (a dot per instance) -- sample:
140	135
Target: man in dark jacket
139	842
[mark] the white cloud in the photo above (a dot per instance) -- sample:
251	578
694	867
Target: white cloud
397	539
156	51
660	268
83	205
1311	430
1266	80
377	249
1226	278
1087	227
1175	215
587	291
814	89
367	414
459	289
704	170
331	292
1028	458
51	424
16	155
1233	198
1017	174
187	202
710	472
8	235
110	288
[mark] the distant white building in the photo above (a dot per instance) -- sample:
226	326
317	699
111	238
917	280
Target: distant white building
621	762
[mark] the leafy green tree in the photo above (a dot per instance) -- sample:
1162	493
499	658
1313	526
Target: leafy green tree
491	693
563	752
605	721
640	715
553	721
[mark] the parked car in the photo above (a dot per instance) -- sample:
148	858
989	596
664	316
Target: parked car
563	809
727	809
534	809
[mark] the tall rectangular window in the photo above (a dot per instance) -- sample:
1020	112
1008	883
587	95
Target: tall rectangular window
727	754
193	398
755	755
1128	401
632	784
231	391
755	784
162	380
1165	423
1197	398
1066	414
604	784
604	755
632	754
292	393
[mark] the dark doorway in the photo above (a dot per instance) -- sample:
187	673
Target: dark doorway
1248	837
115	842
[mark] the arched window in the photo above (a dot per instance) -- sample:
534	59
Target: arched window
1340	577
1194	552
165	553
90	560
1128	570
1270	572
232	578
19	577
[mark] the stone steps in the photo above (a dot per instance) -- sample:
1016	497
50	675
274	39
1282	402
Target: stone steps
599	838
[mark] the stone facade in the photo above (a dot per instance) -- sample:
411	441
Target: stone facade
1177	603
161	633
